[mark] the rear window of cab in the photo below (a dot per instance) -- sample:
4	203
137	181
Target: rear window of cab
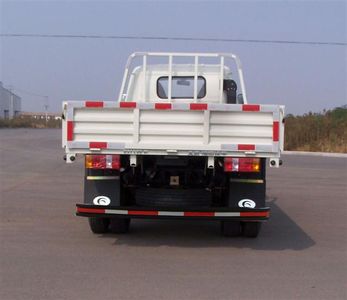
182	87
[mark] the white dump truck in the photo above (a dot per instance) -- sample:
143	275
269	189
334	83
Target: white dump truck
181	142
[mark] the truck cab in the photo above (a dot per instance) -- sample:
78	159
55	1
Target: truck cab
154	87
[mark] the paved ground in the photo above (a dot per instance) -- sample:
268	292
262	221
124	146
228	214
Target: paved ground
48	253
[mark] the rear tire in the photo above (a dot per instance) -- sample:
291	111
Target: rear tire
119	225
251	229
231	228
98	225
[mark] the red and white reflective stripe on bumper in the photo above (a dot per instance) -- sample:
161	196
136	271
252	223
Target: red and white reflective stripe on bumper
246	214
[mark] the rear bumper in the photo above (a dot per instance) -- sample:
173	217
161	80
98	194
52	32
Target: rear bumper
254	214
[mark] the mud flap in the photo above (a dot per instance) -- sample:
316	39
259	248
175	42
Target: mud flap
248	193
102	191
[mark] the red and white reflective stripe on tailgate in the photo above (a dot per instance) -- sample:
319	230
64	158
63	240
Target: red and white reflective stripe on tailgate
264	214
165	105
127	104
246	147
98	145
251	107
69	128
276	131
94	103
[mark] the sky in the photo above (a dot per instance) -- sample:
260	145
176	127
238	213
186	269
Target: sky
302	77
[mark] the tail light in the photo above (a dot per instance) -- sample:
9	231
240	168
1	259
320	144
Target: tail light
232	164
103	161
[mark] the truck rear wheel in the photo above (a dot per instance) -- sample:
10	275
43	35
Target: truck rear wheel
251	229
119	225
98	225
231	228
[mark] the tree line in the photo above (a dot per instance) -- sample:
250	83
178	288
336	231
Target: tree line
319	132
29	122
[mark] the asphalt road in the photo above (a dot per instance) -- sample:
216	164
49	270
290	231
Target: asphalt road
48	253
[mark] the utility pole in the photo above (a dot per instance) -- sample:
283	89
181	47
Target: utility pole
46	108
11	106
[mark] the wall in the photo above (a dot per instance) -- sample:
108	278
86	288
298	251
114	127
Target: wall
9	110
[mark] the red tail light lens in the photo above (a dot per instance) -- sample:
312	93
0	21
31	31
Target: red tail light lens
228	164
103	161
232	164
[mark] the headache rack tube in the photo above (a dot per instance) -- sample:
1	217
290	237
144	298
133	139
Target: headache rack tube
170	56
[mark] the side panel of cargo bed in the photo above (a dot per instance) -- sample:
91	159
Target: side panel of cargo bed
172	129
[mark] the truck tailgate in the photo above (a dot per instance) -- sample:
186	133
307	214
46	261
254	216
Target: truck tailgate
172	128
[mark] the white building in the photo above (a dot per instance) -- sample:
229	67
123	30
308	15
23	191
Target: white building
10	103
40	115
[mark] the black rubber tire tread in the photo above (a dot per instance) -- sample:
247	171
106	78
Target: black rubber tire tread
119	225
98	225
231	228
158	197
251	229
